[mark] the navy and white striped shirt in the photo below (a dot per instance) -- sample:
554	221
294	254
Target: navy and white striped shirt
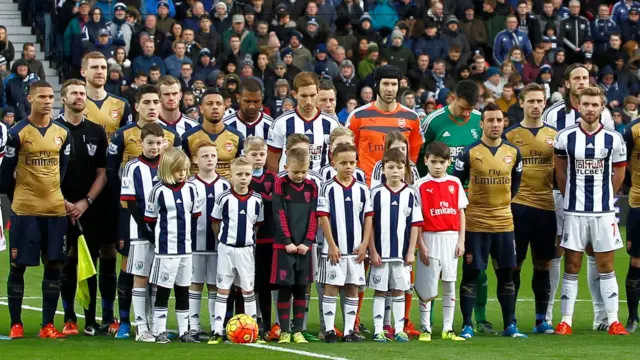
377	176
172	208
328	172
558	117
394	214
317	129
259	128
181	126
239	215
203	238
346	207
591	158
138	179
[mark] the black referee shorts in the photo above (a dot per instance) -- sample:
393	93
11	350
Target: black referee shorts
91	229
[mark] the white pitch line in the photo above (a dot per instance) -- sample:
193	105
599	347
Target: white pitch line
27	307
297	352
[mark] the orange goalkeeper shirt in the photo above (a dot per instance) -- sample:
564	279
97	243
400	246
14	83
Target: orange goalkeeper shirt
371	125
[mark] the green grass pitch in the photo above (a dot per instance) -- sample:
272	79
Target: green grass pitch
584	344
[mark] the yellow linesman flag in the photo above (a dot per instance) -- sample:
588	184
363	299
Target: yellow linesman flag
86	269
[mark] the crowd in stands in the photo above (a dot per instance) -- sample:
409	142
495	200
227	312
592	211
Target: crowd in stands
503	45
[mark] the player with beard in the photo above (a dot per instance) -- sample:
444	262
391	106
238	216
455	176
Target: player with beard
562	115
229	141
170	115
250	120
110	112
86	177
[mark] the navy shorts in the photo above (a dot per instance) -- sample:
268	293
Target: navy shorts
535	227
479	245
31	237
633	232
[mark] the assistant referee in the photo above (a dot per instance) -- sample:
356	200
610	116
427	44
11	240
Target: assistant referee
85	179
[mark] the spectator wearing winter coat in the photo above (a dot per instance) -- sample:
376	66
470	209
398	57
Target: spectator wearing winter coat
351	9
73	35
418	75
220	17
452	35
102	44
532	67
165	20
474	28
507	99
407	8
494	21
621	9
612	91
364	31
614	50
106	7
439	79
121	31
346	84
145	61
207	37
120	58
17	88
436	14
573	31
312	35
173	63
602	28
248	43
431	43
205	65
301	55
95	24
150	7
368	64
383	15
508	38
493	82
398	55
6	47
327	12
528	23
322	57
544	79
548	16
311	14
631	26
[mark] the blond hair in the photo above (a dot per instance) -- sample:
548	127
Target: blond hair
92	55
593	91
172	160
338	132
254	143
298	155
240	161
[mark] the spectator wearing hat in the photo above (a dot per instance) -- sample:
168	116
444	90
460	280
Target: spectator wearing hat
73	35
114	80
282	92
312	35
452	35
8	116
289	60
493	82
17	88
532	67
474	28
431	43
368	64
346	83
220	17
121	31
544	78
4	65
364	31
399	55
207	37
248	43
509	38
350	9
620	10
587	50
281	22
301	55
631	26
206	63
102	44
573	31
174	62
311	13
630	107
165	21
246	67
613	93
436	14
150	7
321	56
145	61
280	72
602	28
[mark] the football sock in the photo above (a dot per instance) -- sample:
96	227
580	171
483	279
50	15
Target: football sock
195	303
632	286
480	306
568	294
554	281
541	289
425	315
107	283
320	290
264	304
516	285
448	304
609	291
506	295
15	292
284	308
378	314
351	310
342	300
250	307
360	300
300	305
139	302
90	313
433	304
125	286
161	310
468	294
211	297
152	292
329	308
182	308
593	280
220	310
398	313
50	294
68	285
307	299
239	307
387	309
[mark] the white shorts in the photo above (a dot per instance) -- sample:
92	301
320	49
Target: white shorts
443	263
392	275
558	201
205	268
171	270
236	265
342	273
600	231
141	254
316	256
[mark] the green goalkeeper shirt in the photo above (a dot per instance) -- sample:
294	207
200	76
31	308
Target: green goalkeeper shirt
456	132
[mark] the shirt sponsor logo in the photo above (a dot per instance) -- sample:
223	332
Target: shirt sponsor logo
589	167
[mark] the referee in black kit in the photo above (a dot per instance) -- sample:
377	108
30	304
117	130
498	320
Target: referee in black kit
84	180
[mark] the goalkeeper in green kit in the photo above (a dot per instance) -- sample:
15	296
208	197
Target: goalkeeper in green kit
457	125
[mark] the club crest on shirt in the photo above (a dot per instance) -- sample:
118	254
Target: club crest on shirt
508	159
474	133
228	145
452	189
307	196
360	207
407	212
115	114
283	275
402	122
57	140
604	152
253	219
549	141
91	148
